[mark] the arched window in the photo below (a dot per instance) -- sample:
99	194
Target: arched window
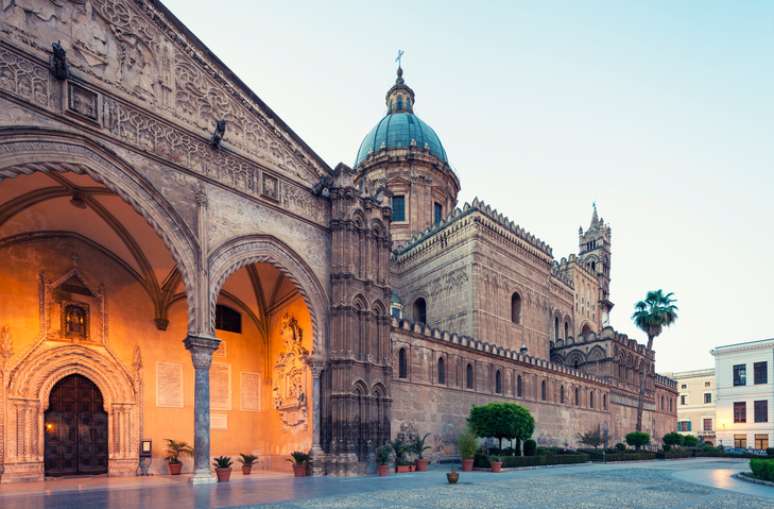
441	371
498	382
519	387
577	396
586	330
469	376
420	310
556	327
561	394
516	308
543	391
566	329
591	399
402	364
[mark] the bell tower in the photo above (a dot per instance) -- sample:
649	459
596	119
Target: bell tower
595	255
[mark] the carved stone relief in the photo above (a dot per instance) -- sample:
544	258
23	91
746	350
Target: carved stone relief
71	310
290	381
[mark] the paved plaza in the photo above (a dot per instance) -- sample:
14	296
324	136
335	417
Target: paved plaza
684	484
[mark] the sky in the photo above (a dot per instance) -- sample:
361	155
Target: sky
660	112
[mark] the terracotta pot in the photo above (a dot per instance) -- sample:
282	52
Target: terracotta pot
383	470
467	465
247	469
299	469
412	468
224	474
422	464
497	466
452	477
402	469
174	468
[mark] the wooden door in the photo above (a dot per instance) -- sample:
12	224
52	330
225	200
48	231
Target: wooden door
75	429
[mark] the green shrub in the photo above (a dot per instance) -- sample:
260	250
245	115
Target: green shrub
466	443
673	438
637	439
675	453
623	456
621	447
690	441
762	468
530	447
770	451
481	459
530	461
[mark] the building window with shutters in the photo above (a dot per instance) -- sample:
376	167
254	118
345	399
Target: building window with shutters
707	398
760	373
740	441
437	213
740	375
762	441
398	208
707	424
761	408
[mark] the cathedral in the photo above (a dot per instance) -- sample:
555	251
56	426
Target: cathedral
179	264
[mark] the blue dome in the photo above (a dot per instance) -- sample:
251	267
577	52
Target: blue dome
400	130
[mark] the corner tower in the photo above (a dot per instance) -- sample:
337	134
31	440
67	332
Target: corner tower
595	255
405	156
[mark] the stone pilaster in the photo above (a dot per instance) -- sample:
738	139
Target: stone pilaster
201	348
318	455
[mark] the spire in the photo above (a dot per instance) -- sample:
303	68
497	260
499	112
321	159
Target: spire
594	217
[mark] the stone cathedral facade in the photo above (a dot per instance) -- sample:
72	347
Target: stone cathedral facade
178	263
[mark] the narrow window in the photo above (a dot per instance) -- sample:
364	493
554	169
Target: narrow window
740	374
740	411
577	397
228	319
420	310
566	329
516	308
437	213
441	371
707	424
398	208
543	391
469	376
760	373
556	327
519	387
402	364
604	401
561	394
498	382
707	398
761	410
591	399
682	399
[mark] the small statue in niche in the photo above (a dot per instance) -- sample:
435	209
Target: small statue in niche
76	321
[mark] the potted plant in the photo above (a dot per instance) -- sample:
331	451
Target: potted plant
383	454
495	463
300	460
402	464
466	443
222	466
174	451
247	461
453	476
419	448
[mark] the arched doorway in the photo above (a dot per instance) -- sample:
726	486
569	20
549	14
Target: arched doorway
75	429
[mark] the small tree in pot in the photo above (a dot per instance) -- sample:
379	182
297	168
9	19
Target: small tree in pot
466	443
247	461
383	455
419	448
222	466
495	463
174	451
402	463
300	461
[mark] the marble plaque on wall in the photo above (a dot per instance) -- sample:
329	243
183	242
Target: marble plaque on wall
218	421
220	386
249	391
169	384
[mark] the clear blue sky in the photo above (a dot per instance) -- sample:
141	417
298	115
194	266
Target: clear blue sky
662	112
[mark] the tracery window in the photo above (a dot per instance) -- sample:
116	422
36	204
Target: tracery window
469	376
402	364
498	382
441	371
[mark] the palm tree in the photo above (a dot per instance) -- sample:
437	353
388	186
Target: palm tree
657	311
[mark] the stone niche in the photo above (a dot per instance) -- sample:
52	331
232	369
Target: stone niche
290	376
72	310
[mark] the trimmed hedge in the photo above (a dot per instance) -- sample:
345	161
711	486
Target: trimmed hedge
763	468
677	453
532	461
625	456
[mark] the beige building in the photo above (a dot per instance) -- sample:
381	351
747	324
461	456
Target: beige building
696	403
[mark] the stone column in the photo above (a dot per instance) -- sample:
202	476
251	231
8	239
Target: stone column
318	456
201	348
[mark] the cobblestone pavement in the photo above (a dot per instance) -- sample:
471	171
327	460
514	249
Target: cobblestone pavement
687	484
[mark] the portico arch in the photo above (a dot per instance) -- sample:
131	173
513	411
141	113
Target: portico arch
27	150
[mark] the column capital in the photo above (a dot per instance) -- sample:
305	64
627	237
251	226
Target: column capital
201	348
316	364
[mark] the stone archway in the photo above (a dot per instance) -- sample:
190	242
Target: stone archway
29	387
27	150
242	251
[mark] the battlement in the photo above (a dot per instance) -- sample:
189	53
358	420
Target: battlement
607	333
